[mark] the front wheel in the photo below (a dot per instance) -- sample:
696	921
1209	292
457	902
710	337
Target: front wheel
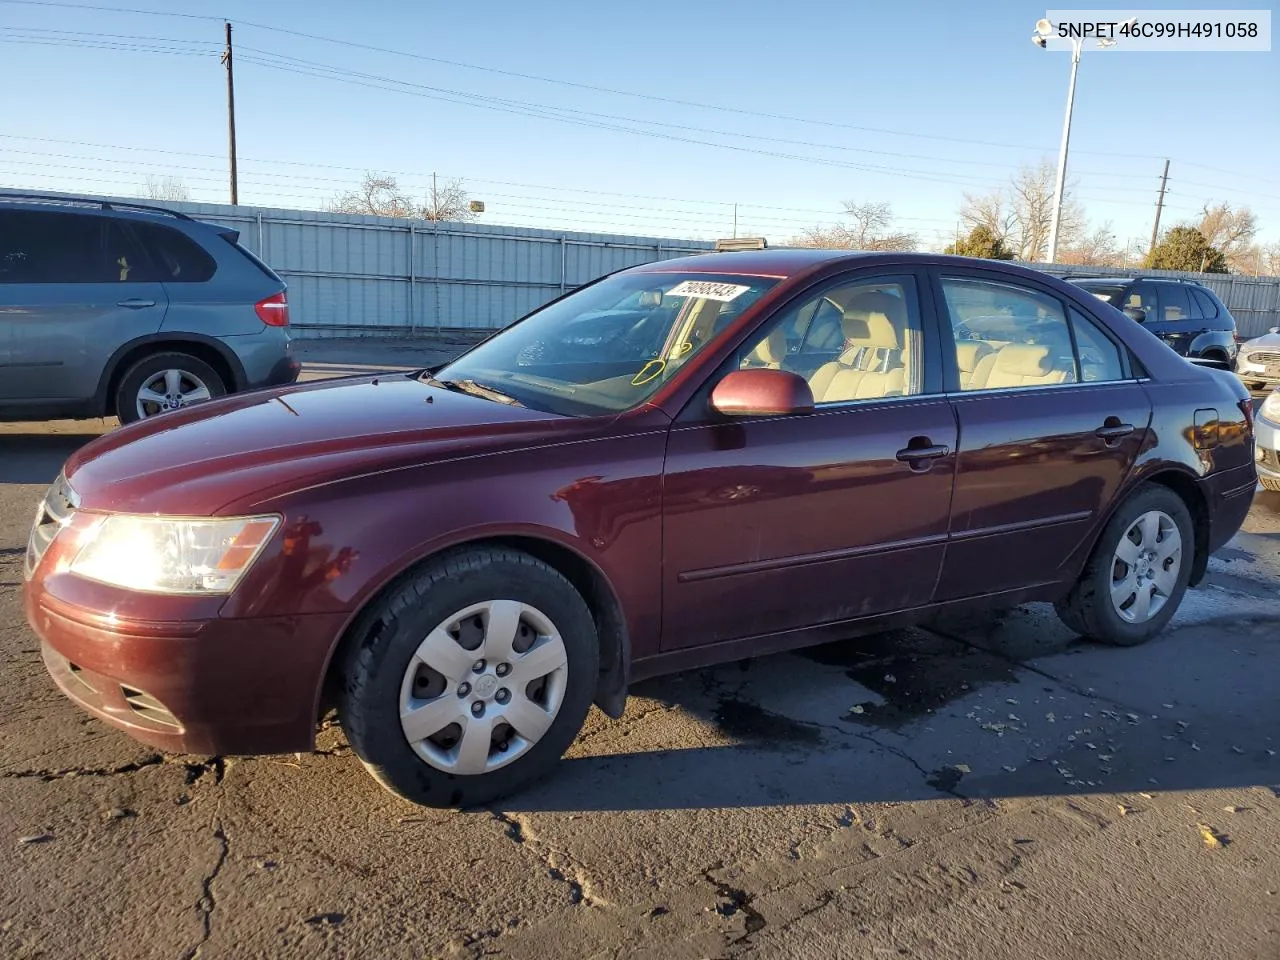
1137	575
471	679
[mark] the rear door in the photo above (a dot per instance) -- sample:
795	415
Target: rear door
75	286
1179	321
1050	425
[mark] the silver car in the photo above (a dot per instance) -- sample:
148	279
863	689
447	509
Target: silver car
1267	441
1258	362
123	309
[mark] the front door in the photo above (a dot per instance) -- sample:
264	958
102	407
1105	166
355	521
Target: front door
773	524
73	288
1051	421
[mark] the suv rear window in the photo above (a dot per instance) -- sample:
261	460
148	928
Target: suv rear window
1208	309
54	247
178	258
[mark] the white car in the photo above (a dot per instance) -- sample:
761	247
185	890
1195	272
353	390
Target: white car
1258	362
1266	440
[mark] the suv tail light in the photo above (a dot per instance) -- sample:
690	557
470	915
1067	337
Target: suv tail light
274	310
1236	335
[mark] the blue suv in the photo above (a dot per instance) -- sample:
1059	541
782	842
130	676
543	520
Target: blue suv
112	308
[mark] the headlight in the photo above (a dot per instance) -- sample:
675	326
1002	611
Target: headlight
171	555
1271	407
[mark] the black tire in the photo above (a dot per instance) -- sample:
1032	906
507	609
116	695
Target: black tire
126	398
1088	609
388	635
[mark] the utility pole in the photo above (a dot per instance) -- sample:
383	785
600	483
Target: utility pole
231	119
1155	230
1060	184
735	221
435	198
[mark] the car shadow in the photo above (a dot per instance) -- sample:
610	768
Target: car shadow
37	457
978	711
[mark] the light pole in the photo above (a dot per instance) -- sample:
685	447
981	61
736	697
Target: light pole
1044	29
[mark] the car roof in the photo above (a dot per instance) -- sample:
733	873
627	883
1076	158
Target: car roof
47	201
791	262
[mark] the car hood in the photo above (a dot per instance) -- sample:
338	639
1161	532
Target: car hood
1266	340
242	451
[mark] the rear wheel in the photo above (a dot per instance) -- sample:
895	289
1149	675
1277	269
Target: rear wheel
1137	575
165	381
471	679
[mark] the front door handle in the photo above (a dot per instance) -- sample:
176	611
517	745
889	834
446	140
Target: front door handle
1113	430
920	453
136	303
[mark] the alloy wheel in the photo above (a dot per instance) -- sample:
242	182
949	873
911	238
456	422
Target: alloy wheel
170	390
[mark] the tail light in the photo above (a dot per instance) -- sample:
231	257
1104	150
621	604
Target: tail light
274	310
1236	334
1246	407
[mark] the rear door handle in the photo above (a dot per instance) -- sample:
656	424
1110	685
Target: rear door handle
136	303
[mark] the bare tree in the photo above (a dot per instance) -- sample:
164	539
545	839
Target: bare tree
447	201
1096	249
165	188
871	228
382	196
377	196
1020	214
1232	232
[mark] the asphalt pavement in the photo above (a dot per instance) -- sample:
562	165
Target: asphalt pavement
994	789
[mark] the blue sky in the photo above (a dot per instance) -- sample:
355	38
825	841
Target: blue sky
915	103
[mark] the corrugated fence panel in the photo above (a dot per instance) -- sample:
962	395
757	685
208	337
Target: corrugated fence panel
354	274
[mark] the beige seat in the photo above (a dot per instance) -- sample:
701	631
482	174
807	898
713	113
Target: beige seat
770	352
1017	365
968	354
867	367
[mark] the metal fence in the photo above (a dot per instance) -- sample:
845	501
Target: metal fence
354	275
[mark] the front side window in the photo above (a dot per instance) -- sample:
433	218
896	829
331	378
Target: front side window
1007	335
855	341
40	247
608	347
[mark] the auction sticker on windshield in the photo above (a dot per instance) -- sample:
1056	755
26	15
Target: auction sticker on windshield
708	290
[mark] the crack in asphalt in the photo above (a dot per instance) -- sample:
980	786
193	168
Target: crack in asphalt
207	902
154	760
737	901
561	867
935	778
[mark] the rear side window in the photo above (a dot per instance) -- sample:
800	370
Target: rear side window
45	247
1174	305
1208	309
177	257
1099	356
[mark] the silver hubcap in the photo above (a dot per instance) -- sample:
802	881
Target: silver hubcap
1145	568
169	390
483	687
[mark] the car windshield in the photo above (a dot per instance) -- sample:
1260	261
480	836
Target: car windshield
607	347
1108	292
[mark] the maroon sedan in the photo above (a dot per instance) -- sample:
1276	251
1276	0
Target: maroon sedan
679	464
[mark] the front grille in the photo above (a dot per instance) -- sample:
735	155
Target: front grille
1270	458
1262	356
55	512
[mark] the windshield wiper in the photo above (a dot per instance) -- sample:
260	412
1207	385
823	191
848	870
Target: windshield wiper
475	389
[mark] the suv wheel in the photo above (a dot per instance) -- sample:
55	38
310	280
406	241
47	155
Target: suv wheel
165	381
1137	575
471	679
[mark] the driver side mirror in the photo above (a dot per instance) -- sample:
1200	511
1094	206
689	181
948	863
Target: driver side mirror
762	393
1136	313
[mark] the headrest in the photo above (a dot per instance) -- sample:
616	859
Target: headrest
1023	360
773	348
872	320
969	352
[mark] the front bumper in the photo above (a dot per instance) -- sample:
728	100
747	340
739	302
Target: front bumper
1251	372
200	685
1266	444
